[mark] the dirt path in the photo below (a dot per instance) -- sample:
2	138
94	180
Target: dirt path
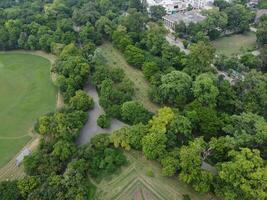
91	128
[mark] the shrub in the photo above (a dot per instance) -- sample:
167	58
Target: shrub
103	121
150	173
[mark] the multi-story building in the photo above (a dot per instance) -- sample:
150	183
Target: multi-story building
174	6
171	6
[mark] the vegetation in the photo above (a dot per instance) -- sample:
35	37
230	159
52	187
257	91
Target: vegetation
204	133
103	121
26	87
235	44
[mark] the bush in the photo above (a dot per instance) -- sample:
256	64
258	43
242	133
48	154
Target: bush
103	121
133	113
150	173
186	197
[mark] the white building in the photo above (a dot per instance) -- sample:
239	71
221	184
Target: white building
174	6
171	6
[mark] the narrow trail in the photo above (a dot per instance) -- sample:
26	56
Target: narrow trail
91	128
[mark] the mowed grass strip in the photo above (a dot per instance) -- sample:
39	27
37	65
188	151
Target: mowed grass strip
27	92
115	59
123	183
235	44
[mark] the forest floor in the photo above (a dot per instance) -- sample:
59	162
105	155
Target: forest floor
115	59
27	92
132	182
235	44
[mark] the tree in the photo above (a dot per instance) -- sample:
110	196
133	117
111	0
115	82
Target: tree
243	177
239	18
103	121
204	120
27	185
205	90
261	35
227	99
134	113
104	26
221	146
214	22
129	137
134	56
9	190
175	88
157	12
190	165
252	93
170	163
181	127
222	4
249	130
154	143
63	150
120	38
81	101
200	59
263	58
149	69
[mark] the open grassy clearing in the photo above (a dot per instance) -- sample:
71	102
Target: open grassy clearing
115	59
235	44
27	92
132	183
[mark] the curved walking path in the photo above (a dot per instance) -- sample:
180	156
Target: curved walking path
91	128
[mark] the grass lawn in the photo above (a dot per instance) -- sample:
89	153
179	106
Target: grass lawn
235	44
115	59
132	182
27	92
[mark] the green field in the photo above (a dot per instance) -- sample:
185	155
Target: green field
132	183
115	59
26	92
235	44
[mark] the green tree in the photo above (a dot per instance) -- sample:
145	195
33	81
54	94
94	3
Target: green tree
81	101
249	130
157	12
134	56
154	143
200	58
27	185
149	69
239	18
190	165
134	113
205	89
243	177
63	150
9	190
103	121
175	88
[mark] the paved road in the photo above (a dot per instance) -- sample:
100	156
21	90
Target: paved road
177	43
91	128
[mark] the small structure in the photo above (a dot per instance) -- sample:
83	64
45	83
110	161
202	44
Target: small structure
192	16
21	156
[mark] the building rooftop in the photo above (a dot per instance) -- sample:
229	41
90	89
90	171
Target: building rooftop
187	17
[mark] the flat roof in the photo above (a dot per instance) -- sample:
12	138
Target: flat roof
187	17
